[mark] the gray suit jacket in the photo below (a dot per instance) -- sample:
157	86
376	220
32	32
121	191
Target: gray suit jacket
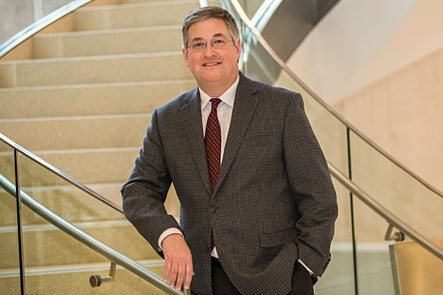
273	203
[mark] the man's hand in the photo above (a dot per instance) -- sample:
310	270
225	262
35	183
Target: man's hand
178	262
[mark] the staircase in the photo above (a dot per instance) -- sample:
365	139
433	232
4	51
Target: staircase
79	95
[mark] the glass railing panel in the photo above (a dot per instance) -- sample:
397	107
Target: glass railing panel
56	263
17	15
63	198
339	276
392	187
374	268
79	208
9	254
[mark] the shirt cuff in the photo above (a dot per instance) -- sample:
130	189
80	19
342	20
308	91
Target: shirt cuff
307	268
169	231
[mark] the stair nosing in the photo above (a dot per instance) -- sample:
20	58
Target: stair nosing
140	4
77	151
75	118
93	85
91	57
109	31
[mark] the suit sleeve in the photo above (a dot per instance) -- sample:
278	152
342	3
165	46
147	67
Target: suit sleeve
145	192
312	187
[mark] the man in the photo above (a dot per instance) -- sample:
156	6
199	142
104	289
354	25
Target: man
257	202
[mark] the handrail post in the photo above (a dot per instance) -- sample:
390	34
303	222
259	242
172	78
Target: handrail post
18	202
397	236
351	201
97	280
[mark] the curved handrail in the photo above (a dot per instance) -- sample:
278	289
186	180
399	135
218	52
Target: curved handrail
88	240
283	65
390	217
59	173
39	25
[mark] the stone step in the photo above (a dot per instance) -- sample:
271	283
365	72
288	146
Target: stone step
74	280
78	100
46	245
87	100
133	15
81	132
99	69
72	204
108	42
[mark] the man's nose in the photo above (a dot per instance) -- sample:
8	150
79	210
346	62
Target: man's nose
209	50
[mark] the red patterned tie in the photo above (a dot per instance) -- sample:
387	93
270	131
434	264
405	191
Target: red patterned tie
213	147
213	142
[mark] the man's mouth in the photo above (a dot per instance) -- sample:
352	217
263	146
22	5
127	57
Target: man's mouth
210	64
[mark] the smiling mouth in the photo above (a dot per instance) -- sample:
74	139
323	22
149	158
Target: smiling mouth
210	64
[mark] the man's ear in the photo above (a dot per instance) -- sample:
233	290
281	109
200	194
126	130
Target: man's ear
185	56
238	49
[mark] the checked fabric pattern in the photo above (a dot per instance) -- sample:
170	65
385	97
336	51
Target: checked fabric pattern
213	147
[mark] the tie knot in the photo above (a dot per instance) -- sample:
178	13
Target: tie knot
214	103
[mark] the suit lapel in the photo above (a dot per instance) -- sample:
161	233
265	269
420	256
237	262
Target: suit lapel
244	107
192	122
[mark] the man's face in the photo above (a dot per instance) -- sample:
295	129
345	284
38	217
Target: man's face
214	70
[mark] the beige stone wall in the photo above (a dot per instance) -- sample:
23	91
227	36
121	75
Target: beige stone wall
402	113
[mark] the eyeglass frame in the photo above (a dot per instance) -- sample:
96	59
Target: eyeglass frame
205	42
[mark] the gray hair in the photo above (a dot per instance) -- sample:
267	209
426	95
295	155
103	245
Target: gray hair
204	13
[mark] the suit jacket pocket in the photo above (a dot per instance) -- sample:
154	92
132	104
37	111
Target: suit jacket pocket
279	238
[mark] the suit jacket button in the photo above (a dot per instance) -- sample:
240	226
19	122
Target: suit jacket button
207	249
212	209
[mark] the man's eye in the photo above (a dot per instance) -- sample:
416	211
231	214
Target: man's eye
198	45
218	41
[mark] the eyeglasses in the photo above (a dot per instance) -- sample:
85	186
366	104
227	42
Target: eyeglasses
216	43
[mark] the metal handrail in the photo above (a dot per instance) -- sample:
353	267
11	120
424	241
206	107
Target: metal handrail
88	240
390	217
59	173
39	25
283	65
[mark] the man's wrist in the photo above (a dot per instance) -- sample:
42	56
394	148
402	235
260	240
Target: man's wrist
169	231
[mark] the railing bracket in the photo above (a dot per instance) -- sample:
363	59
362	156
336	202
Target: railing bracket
97	280
397	236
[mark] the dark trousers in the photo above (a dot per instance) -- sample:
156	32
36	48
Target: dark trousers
221	285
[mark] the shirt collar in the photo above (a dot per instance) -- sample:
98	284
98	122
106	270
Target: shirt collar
227	97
